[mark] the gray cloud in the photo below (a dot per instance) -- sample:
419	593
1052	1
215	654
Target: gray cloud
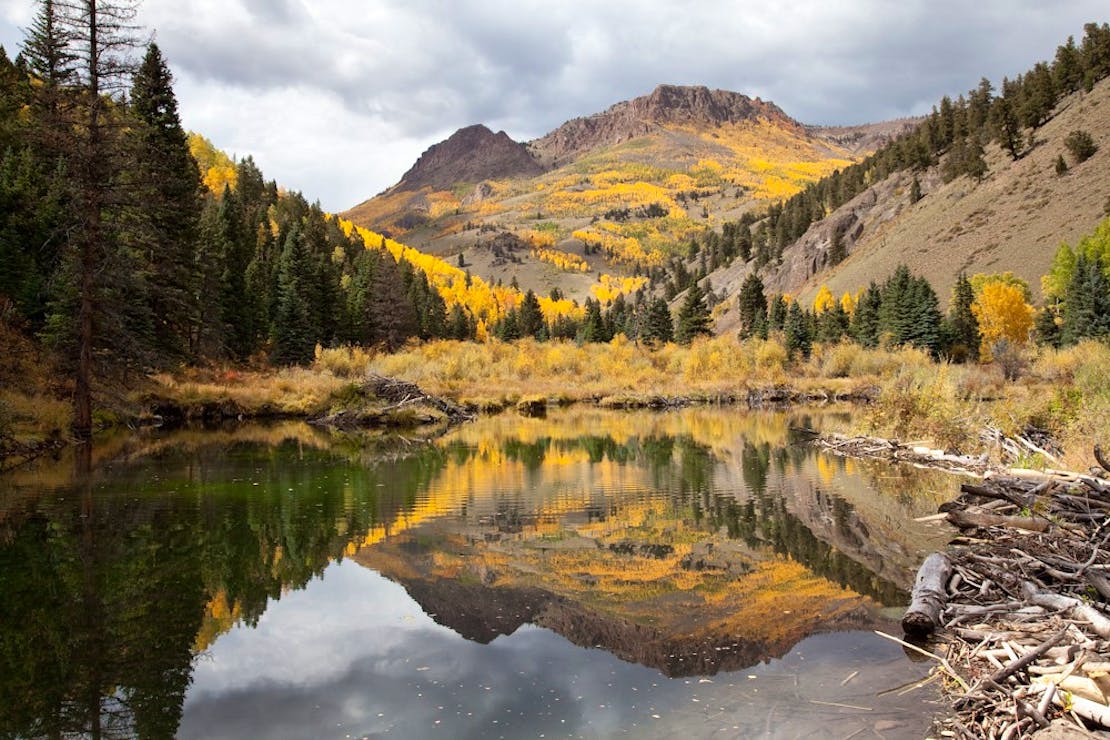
411	71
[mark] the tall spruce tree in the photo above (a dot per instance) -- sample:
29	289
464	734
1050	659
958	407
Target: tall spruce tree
865	324
531	317
798	332
1087	301
293	332
752	306
166	177
93	306
659	326
693	316
963	325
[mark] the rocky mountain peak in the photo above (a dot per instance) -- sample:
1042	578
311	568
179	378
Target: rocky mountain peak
665	105
471	154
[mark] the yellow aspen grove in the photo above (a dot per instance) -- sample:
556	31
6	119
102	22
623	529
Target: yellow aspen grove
824	300
1003	313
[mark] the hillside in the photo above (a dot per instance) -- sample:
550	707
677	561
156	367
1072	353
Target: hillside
618	191
1013	220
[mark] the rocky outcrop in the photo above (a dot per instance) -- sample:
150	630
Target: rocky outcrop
666	105
470	155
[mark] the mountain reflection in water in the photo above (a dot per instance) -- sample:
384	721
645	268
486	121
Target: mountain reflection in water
157	594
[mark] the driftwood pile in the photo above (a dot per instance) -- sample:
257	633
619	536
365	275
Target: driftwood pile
911	453
398	394
1021	600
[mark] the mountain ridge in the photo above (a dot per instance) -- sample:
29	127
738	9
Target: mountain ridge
666	104
472	153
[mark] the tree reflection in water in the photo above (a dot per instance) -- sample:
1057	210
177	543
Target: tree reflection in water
114	584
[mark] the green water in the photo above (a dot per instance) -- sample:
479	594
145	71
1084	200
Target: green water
592	574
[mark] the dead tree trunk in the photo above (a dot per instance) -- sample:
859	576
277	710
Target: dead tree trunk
930	594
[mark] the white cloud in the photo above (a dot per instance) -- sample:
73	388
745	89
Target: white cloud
338	98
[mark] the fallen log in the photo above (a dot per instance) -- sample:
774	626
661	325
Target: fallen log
1098	621
930	593
965	519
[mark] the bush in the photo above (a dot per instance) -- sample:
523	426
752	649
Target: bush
343	362
1081	145
1009	358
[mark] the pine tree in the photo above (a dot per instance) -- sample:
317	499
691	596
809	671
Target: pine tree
593	326
659	327
975	164
752	306
293	333
799	336
1004	121
915	190
964	326
865	324
94	309
1087	301
776	313
395	319
167	180
693	317
531	317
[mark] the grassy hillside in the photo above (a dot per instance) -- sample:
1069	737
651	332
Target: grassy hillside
1014	220
619	208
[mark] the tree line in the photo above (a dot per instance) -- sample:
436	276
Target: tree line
114	252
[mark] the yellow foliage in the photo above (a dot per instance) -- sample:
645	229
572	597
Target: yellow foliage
216	168
609	287
562	260
848	303
1003	313
824	300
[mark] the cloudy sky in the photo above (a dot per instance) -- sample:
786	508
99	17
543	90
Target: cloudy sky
337	98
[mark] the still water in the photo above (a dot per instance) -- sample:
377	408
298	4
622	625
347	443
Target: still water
592	574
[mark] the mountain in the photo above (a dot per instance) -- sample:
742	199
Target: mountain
470	154
617	192
1013	219
666	105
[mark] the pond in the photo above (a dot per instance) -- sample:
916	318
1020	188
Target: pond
590	574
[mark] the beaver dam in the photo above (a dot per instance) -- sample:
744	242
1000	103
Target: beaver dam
1017	605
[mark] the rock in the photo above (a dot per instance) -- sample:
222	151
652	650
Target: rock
471	154
667	104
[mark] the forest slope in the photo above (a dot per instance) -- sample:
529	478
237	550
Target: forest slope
618	191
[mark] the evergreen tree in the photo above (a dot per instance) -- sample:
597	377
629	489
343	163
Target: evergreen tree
1087	301
975	164
531	317
395	319
915	190
1004	121
1047	327
831	325
293	337
167	179
776	313
693	317
799	336
459	326
93	307
752	306
659	326
962	322
593	326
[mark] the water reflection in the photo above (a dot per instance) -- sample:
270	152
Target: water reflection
689	544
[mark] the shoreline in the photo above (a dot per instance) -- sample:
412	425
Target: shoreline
1015	608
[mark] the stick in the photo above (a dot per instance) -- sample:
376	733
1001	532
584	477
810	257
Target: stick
1008	670
929	596
944	663
1101	460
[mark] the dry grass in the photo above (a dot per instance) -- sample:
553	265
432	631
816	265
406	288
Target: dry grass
1066	392
295	391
